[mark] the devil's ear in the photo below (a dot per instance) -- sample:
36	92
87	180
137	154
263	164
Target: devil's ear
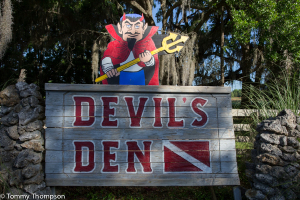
145	27
119	28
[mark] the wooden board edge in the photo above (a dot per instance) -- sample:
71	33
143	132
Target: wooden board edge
157	182
137	88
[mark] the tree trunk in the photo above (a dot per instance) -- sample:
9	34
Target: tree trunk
6	21
222	51
246	70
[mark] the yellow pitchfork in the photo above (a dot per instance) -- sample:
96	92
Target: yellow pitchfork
165	47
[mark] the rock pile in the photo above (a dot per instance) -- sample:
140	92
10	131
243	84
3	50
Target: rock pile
275	171
22	139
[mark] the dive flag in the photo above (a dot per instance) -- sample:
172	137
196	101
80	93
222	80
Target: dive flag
186	156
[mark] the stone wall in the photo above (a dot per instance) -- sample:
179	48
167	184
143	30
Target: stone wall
275	171
22	140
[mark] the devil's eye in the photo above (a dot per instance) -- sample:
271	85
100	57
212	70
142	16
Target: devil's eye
137	26
128	26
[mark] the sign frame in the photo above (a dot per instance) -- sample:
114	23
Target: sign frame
60	135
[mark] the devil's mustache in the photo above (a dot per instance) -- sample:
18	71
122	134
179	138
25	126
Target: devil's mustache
128	33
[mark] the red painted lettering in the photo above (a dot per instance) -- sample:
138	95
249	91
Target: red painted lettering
157	112
135	117
88	148
172	114
108	111
144	159
204	118
108	157
89	117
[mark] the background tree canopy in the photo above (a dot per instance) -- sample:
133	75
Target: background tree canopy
62	41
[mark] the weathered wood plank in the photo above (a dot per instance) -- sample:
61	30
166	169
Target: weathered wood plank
157	145
156	156
122	112
67	98
146	123
135	88
131	134
241	127
157	168
142	180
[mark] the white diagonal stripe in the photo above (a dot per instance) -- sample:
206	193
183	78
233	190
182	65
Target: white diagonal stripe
187	157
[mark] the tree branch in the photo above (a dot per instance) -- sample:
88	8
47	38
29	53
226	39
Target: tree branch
140	8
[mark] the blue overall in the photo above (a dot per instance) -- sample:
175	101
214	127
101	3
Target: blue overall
132	78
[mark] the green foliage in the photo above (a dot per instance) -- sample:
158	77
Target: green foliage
53	39
275	25
236	93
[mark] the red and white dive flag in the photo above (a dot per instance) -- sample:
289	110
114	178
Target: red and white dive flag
186	156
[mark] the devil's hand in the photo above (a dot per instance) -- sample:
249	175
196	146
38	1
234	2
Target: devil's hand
145	56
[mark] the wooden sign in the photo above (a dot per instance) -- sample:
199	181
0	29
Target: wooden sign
106	135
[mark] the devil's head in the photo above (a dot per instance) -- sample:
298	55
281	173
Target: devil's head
132	27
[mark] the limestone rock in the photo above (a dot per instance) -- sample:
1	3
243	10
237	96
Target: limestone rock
275	126
291	170
266	179
18	147
8	156
289	157
26	157
31	90
30	136
255	195
10	119
9	96
287	149
36	125
5	141
31	101
17	108
264	169
270	159
28	114
294	133
37	179
269	148
13	132
264	188
36	145
291	141
289	195
22	86
46	191
270	138
31	170
277	197
4	110
32	188
15	178
279	173
283	140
